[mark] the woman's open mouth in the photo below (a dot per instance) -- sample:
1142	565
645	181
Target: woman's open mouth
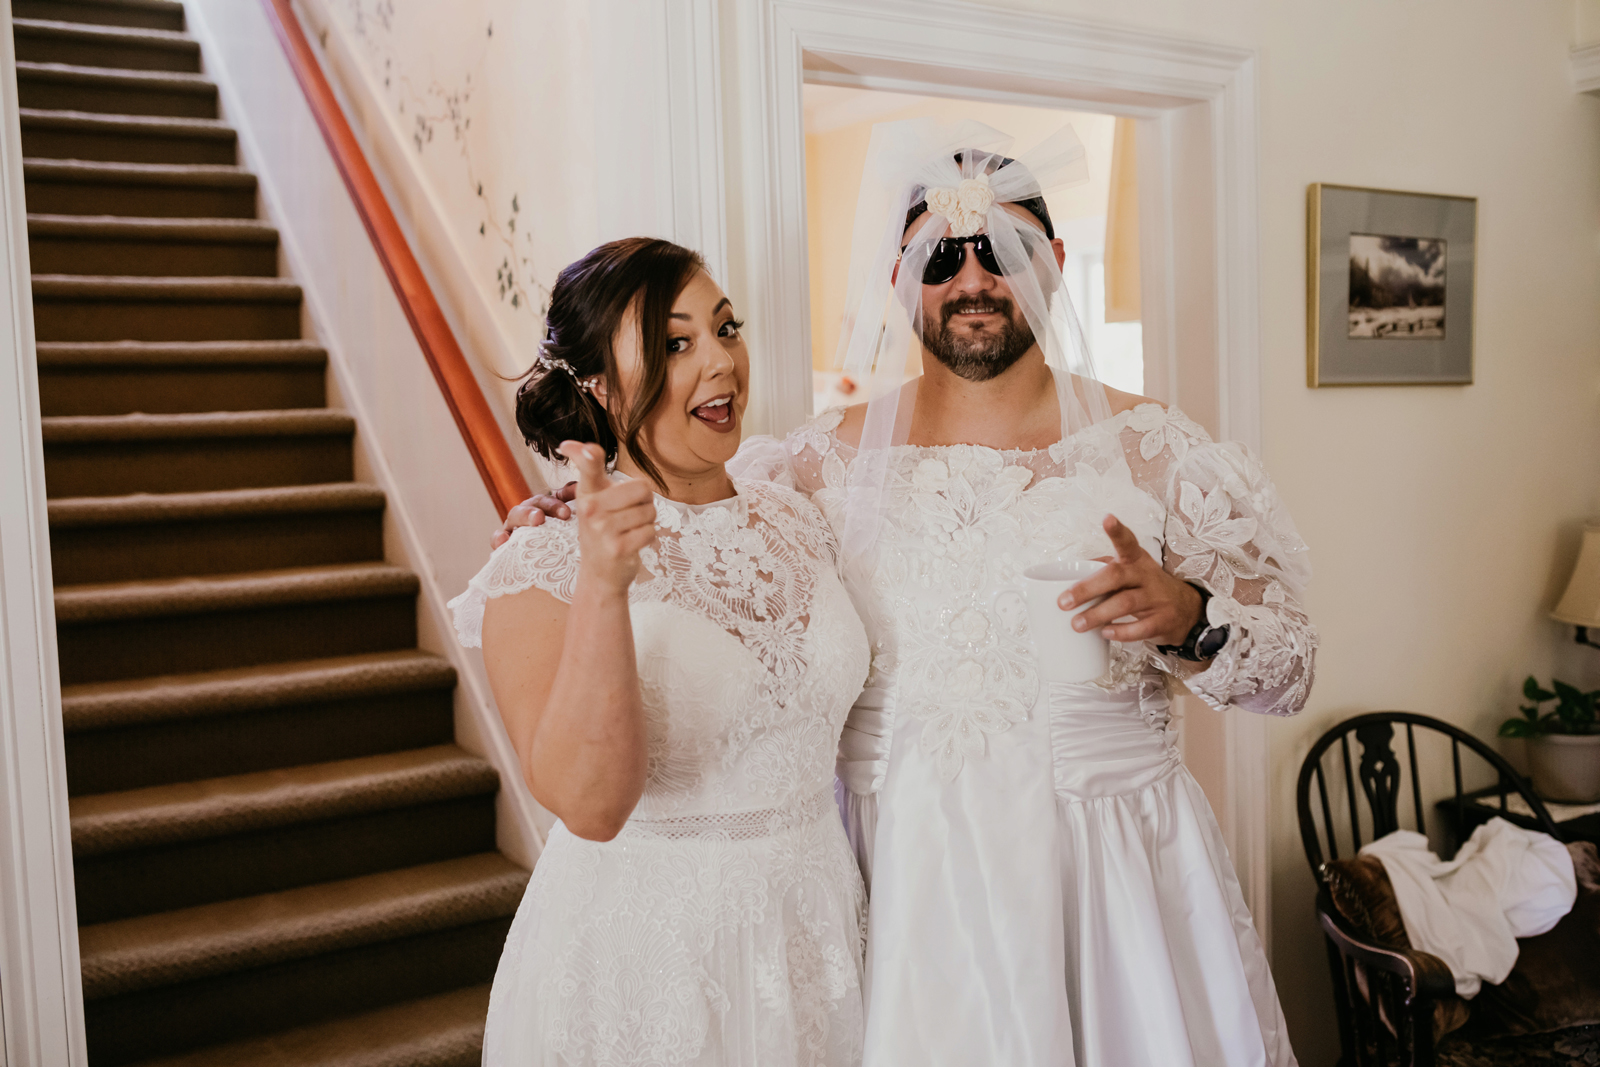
717	414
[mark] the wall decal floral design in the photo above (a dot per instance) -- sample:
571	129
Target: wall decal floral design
437	112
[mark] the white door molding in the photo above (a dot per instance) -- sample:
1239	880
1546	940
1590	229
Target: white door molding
694	110
1198	104
658	154
41	994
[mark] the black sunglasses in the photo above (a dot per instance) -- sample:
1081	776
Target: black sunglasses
951	252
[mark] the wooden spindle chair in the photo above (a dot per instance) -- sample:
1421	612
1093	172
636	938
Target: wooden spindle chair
1403	984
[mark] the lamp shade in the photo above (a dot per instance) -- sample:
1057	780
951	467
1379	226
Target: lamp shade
1580	604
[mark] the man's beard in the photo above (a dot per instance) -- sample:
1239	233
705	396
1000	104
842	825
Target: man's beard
977	358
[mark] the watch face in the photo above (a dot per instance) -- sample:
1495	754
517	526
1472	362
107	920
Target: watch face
1211	642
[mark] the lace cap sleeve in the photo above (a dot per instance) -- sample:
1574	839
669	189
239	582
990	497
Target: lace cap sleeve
1227	530
544	556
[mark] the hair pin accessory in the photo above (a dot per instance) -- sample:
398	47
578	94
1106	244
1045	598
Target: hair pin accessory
549	362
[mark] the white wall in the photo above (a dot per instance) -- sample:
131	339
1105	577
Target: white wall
481	116
1441	520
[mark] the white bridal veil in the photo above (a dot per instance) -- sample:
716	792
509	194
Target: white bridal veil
965	174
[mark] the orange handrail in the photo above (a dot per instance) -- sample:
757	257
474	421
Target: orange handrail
498	468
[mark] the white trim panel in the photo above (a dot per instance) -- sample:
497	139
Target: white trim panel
41	994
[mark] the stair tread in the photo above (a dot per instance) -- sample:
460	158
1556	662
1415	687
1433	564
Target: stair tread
234	935
80	74
439	1031
215	807
159	289
174	6
111	705
155	289
138	125
104	172
57	354
181	228
214	504
287	422
104	601
176	40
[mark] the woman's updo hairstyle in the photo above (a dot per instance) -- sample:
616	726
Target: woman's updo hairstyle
588	305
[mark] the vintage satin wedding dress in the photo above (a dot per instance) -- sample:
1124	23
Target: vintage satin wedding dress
1048	884
724	925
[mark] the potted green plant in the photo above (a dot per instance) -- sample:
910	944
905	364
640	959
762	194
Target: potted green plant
1563	743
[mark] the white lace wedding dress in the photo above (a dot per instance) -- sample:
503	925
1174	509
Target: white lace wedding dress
1048	884
724	925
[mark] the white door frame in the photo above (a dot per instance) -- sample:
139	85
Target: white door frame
657	95
41	994
1197	105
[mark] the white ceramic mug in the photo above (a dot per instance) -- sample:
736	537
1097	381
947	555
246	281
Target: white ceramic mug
1064	654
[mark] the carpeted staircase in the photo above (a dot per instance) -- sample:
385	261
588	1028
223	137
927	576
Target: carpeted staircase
281	856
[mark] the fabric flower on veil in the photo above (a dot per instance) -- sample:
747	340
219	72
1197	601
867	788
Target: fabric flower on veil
966	206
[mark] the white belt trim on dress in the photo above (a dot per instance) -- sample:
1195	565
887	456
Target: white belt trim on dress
740	825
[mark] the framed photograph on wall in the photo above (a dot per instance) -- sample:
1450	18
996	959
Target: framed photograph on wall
1390	287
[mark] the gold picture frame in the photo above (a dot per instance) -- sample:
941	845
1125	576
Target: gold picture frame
1420	246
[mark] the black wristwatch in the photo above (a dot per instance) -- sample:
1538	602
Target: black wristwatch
1204	641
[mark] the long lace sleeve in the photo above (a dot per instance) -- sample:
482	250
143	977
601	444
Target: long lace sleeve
1227	530
544	556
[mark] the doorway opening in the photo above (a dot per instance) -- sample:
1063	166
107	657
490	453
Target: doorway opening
1096	221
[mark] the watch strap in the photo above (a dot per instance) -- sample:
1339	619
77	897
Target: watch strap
1202	631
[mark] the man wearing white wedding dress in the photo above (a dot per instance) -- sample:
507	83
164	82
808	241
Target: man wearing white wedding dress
1048	885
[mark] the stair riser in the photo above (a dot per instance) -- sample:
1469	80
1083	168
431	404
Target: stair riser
50	254
180	644
97	14
113	147
112	320
178	389
105	761
139	201
108	553
114	99
159	879
189	465
164	1021
105	54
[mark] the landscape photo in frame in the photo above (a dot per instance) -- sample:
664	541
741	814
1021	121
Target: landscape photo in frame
1390	285
1397	286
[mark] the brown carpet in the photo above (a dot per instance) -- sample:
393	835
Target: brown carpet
281	856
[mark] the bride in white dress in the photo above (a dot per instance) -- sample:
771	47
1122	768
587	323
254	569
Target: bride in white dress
674	670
